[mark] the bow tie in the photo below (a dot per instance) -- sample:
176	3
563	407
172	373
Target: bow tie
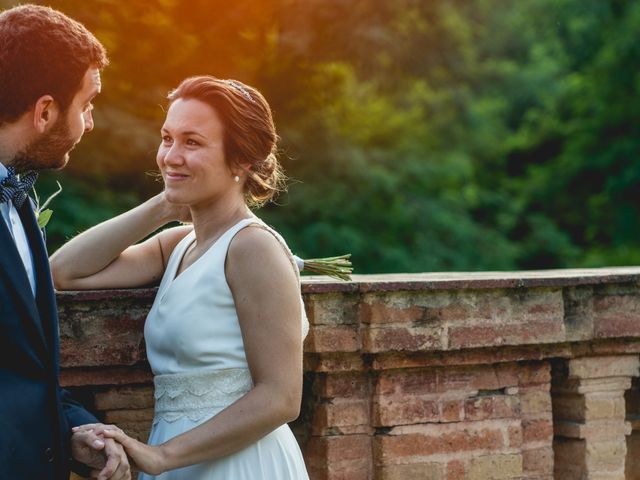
16	190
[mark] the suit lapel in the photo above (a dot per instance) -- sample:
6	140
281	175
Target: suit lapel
11	262
45	298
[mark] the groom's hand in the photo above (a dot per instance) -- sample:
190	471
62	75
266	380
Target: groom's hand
117	466
105	456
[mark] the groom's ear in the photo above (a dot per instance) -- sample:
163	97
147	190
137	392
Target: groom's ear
45	113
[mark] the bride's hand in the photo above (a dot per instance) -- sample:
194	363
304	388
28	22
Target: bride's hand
147	458
174	212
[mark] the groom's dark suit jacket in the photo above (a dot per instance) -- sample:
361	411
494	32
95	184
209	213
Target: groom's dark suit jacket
35	413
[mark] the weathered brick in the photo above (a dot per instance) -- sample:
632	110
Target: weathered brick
338	338
411	307
468	379
593	430
514	436
534	373
342	384
535	402
352	472
510	375
125	398
409	382
533	332
617	325
379	312
138	374
480	306
334	457
336	362
605	366
578	312
456	358
340	413
402	338
604	406
332	308
618	346
496	467
616	315
102	332
452	411
435	439
534	431
492	406
595	385
120	416
398	410
538	461
415	471
339	448
456	470
606	457
109	350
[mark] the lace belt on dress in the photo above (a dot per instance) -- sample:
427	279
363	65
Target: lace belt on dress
198	394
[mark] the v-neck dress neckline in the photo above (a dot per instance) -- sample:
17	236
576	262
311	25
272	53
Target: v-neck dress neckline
174	275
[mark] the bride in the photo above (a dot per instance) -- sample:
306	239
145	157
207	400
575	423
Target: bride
224	335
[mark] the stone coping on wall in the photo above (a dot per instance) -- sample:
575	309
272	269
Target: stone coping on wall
427	281
475	280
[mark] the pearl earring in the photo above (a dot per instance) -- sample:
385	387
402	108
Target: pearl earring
236	178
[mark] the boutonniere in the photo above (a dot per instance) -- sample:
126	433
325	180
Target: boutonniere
43	214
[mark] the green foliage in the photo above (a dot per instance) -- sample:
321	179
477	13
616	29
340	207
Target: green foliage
421	136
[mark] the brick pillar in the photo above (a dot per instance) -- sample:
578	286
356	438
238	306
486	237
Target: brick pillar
588	397
633	440
339	447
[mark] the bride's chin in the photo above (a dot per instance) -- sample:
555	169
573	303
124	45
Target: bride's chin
172	198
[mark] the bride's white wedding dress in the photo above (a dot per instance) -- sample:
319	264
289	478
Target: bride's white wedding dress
195	349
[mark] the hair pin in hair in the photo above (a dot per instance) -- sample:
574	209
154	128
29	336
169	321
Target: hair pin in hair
241	88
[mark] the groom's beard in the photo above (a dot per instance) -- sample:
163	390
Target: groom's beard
50	151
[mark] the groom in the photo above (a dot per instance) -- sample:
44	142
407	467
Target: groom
49	74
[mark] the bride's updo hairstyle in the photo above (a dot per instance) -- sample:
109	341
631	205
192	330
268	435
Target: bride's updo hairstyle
249	133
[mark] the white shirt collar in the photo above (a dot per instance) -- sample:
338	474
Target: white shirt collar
4	173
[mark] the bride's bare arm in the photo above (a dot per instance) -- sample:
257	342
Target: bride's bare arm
267	297
105	256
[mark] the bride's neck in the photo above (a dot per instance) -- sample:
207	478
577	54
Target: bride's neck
213	219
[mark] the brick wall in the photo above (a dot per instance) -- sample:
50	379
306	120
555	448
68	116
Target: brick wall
521	375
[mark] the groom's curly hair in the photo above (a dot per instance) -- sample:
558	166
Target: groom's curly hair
43	52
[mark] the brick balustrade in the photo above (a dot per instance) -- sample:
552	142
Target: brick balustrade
503	375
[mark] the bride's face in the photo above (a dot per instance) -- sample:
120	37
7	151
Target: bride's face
191	154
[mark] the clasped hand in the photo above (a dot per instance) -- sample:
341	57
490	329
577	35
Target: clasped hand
104	456
146	458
